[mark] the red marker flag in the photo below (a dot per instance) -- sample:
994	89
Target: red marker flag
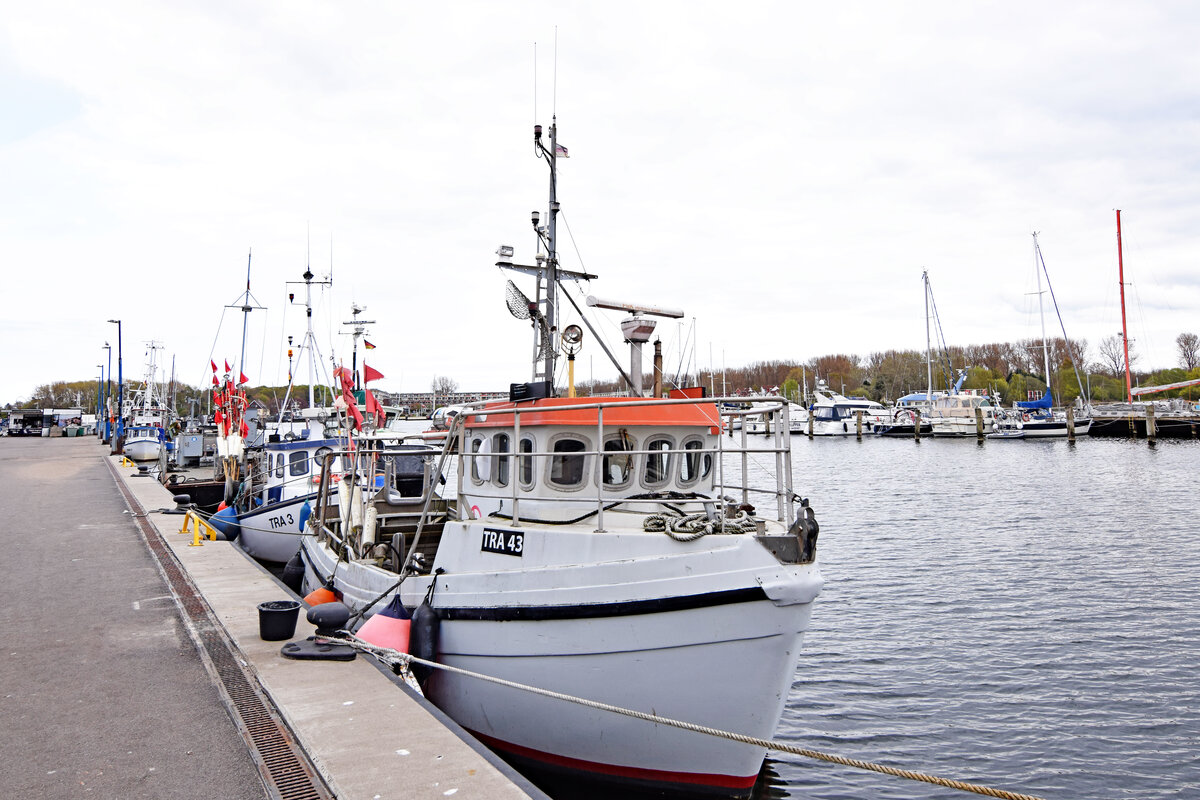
214	365
373	407
244	379
370	374
215	381
227	367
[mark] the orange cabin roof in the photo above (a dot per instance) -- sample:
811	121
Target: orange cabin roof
618	411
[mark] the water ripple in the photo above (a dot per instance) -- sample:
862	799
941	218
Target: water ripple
1019	616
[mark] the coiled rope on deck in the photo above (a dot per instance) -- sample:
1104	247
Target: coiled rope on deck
689	527
403	660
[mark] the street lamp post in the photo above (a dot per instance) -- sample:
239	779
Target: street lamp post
107	429
99	395
120	386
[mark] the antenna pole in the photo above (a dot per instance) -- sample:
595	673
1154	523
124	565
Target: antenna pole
1124	329
552	253
246	308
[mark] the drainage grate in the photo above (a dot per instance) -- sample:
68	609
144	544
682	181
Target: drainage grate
286	771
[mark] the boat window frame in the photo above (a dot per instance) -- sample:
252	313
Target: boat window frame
525	459
279	459
584	455
298	467
479	451
502	459
649	452
629	447
701	457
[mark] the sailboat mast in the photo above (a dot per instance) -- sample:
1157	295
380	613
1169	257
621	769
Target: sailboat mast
1124	329
928	345
1041	309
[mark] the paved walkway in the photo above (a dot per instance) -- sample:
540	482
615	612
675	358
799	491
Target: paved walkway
102	691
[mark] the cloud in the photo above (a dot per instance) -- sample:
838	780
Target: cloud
782	173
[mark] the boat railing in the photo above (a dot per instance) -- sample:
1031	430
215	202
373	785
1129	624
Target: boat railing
775	408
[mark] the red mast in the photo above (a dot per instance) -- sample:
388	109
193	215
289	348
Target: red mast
1124	330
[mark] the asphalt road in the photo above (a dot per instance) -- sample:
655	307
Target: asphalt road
103	693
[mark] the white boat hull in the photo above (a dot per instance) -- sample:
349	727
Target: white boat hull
143	449
706	632
1051	429
273	533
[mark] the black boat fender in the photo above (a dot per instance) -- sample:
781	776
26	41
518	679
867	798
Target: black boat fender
424	634
293	573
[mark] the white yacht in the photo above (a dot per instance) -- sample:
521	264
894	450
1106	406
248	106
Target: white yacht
835	414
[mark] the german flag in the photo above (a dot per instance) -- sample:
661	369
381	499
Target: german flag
368	345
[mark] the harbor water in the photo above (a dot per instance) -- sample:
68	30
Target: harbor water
1024	615
1018	614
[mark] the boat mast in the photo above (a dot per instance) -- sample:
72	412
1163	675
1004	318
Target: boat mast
551	156
1041	310
928	345
1124	329
246	304
309	343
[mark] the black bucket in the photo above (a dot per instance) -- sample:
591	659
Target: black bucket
277	619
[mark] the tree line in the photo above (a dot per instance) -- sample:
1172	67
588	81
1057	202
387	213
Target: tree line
1010	370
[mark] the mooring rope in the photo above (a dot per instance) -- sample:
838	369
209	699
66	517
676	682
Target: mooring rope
689	527
404	660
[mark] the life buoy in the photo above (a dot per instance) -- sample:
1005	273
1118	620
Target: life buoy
1025	417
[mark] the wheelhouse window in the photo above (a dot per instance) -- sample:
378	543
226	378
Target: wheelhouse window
695	464
500	448
618	460
279	465
479	467
526	462
319	459
567	462
298	463
658	462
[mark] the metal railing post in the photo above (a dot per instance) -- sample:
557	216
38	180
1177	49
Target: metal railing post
600	469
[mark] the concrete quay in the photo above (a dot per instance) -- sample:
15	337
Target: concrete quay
135	668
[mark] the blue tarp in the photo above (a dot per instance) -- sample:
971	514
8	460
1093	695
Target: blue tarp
1046	402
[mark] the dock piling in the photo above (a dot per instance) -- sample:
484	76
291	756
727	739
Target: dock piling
1070	423
1151	426
858	424
917	424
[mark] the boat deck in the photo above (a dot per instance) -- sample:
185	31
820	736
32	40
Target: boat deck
107	644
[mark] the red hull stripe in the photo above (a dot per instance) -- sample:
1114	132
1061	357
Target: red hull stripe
638	773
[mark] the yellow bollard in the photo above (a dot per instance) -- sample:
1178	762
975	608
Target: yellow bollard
193	522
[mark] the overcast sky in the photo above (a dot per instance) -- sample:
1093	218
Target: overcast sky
781	172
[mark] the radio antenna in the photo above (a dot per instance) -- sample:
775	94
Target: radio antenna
554	100
535	116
